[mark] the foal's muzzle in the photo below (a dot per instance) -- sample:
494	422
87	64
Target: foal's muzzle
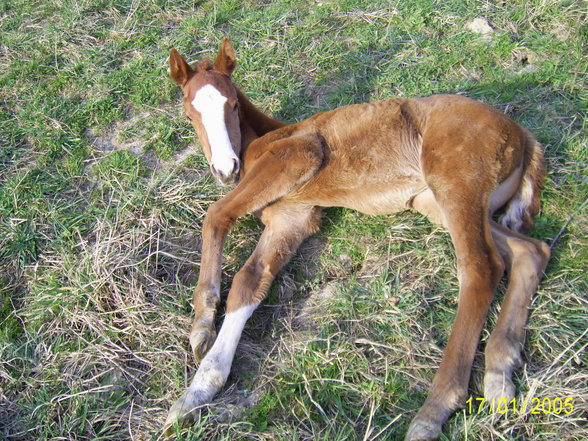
227	179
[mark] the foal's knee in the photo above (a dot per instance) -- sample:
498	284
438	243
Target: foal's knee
218	219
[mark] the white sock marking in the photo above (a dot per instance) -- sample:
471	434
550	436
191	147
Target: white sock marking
216	365
211	105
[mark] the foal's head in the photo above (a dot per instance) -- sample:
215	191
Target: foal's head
211	105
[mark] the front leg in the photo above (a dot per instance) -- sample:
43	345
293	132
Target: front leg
279	167
287	226
207	295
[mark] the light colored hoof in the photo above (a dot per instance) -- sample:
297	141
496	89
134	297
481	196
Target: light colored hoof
182	413
201	342
422	430
498	385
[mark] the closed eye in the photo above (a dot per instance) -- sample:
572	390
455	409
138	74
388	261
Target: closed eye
189	119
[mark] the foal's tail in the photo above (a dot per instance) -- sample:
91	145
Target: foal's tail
520	211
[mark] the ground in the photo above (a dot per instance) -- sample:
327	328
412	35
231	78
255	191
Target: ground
103	190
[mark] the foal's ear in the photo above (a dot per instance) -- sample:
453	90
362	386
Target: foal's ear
180	71
226	61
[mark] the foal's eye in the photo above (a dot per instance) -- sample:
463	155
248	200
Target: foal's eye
235	106
189	119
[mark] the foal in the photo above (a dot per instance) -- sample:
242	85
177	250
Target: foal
451	158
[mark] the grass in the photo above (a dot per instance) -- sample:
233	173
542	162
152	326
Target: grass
101	208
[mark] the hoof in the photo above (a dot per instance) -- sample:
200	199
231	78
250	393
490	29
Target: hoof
201	341
498	385
422	430
182	413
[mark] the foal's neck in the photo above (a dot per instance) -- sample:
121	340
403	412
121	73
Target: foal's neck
254	123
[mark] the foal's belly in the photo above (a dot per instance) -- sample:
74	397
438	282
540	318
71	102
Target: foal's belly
388	200
370	198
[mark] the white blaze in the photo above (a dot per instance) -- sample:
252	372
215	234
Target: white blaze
210	103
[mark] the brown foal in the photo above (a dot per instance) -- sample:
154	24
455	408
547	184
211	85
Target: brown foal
451	158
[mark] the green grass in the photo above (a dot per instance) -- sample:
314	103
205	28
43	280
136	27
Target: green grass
101	209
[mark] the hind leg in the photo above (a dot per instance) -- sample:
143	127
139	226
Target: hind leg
525	260
480	267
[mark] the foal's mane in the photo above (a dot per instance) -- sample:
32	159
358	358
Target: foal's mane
204	64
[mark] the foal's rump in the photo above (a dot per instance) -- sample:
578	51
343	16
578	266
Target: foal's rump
480	147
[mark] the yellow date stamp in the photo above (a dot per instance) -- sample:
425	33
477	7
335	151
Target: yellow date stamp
534	406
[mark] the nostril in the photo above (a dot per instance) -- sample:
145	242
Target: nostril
236	166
